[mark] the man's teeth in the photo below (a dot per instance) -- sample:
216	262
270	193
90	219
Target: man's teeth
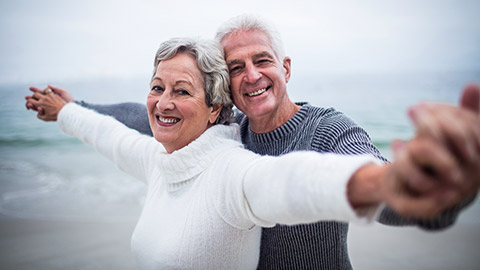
168	120
256	93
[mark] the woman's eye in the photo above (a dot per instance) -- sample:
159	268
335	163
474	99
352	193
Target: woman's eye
183	92
157	89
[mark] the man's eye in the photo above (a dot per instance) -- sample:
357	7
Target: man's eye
235	69
263	61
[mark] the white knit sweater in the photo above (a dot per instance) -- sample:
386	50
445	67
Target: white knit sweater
206	200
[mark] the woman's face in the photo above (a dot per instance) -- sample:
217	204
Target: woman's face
177	110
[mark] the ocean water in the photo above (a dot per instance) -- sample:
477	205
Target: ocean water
46	174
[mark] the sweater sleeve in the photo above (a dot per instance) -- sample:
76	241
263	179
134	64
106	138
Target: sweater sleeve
127	148
303	187
336	133
345	137
132	115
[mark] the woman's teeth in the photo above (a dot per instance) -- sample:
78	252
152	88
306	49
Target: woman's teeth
168	120
256	93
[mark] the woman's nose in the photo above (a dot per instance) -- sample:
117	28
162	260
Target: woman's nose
165	102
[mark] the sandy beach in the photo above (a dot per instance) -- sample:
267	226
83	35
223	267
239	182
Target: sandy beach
50	244
394	248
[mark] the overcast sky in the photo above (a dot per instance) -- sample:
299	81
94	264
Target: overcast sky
46	40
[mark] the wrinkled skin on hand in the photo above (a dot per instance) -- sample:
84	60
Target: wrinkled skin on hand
440	167
47	102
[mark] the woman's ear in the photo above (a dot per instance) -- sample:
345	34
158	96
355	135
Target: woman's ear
216	109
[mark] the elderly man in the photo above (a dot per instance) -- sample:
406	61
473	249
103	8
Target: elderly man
271	124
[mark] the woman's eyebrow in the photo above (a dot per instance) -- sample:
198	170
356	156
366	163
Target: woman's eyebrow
179	82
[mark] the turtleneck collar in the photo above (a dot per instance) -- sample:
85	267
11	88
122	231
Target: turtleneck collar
179	167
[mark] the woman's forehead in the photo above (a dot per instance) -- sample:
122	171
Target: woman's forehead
182	67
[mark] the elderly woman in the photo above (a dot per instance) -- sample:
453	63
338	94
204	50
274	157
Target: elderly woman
207	196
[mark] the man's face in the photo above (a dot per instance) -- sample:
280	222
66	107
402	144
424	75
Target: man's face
258	77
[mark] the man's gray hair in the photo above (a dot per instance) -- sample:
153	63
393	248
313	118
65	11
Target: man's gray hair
250	22
210	62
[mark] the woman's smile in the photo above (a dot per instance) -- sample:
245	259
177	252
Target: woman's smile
167	121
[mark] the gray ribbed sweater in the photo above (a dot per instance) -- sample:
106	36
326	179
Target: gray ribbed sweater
321	245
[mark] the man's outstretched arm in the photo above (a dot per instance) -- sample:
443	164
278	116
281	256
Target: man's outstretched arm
133	115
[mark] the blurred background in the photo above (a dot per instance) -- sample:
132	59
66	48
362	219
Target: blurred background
369	59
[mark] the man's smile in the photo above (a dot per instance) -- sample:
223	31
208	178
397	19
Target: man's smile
257	92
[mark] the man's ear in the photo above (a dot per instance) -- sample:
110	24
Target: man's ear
216	109
287	62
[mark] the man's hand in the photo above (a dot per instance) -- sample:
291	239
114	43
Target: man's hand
48	102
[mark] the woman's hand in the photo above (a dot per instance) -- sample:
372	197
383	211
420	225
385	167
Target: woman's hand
440	167
48	102
423	180
436	170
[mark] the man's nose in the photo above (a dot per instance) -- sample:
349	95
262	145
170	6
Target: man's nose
252	74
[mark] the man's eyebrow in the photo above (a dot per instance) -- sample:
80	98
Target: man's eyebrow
234	62
262	54
255	56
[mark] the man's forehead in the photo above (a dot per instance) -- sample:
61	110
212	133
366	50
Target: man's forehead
245	38
246	44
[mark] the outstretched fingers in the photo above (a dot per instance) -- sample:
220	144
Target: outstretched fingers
425	207
457	128
425	178
62	92
36	89
425	165
470	98
36	106
415	180
28	104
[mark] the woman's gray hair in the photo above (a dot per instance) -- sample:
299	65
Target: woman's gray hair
212	66
250	22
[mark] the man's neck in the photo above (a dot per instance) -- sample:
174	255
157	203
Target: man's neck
270	122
